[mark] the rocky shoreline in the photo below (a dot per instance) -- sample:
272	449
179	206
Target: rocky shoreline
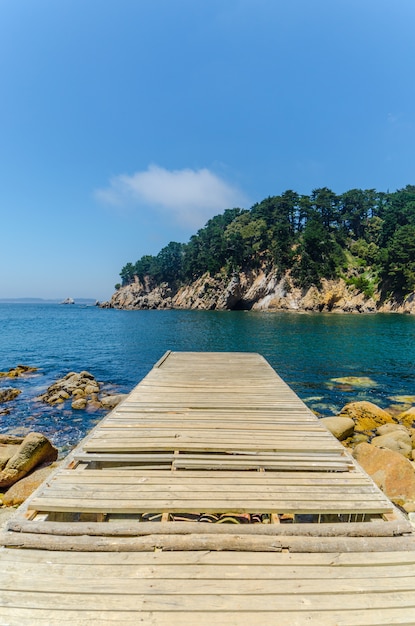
257	290
25	462
382	442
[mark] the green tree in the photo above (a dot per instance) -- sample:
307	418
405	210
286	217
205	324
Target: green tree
127	274
400	263
325	202
318	254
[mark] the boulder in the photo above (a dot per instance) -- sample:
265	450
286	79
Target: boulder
109	402
366	415
91	388
35	450
396	440
340	427
85	374
394	474
11	439
407	418
79	404
391	428
9	394
7	450
26	486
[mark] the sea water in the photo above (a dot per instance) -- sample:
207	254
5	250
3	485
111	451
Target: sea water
311	352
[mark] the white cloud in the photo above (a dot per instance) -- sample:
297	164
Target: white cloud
190	197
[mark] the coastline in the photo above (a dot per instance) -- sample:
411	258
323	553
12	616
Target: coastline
256	290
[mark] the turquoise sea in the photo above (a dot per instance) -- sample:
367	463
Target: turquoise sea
120	347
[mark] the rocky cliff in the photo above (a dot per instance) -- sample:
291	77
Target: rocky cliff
253	290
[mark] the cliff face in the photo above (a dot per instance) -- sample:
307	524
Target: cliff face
253	290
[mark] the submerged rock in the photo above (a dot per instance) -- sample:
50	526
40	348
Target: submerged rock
19	370
6	395
355	381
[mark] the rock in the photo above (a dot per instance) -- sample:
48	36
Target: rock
34	450
26	486
9	394
90	389
94	405
262	288
78	393
80	403
6	453
396	440
355	439
366	415
355	381
73	386
13	439
85	374
394	474
390	428
19	370
407	418
109	402
340	427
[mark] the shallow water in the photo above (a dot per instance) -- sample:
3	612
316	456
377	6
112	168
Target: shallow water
120	347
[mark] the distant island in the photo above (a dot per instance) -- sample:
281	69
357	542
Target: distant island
353	252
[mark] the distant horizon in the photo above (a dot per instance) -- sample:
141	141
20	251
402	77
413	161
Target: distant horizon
57	300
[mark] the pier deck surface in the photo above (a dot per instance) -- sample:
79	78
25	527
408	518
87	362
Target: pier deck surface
208	433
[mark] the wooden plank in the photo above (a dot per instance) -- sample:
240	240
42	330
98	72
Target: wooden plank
339	617
216	603
224	477
389	560
128	569
243	586
98	505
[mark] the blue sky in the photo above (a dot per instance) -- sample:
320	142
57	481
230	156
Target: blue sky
126	124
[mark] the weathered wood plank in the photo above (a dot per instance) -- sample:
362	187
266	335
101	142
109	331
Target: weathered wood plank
338	617
101	505
217	603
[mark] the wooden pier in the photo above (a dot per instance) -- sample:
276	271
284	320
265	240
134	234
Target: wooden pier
208	438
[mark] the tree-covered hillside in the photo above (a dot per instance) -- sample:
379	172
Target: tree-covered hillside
364	236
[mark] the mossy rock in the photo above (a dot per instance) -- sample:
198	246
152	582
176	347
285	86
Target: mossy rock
366	415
